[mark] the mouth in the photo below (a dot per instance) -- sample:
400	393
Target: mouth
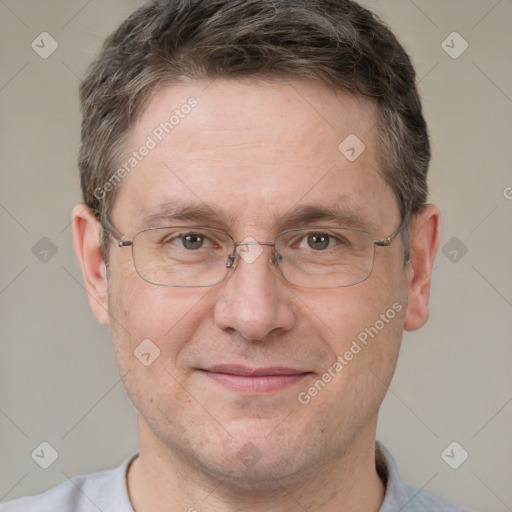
254	380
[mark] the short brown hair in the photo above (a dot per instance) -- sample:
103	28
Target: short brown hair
336	42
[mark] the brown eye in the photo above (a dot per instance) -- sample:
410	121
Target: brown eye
318	241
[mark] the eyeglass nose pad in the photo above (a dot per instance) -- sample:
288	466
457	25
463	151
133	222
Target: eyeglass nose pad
231	261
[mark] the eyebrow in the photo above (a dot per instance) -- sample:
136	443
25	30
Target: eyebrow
340	214
301	215
176	211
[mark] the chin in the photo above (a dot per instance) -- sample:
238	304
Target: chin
253	460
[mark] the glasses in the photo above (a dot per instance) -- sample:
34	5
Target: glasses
310	257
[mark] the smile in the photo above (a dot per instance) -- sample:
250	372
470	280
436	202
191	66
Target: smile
254	380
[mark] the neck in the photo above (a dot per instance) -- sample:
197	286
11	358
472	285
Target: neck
159	480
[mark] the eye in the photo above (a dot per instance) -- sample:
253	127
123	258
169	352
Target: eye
320	241
192	240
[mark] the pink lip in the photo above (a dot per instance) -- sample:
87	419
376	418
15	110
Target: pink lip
254	380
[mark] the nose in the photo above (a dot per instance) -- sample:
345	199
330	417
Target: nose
253	298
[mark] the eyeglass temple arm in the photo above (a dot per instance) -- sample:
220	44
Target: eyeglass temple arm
387	241
113	233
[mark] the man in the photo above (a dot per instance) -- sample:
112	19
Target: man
255	234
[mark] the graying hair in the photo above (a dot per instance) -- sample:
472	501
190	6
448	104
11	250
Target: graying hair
337	42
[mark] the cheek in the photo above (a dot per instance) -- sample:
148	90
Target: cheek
363	356
151	328
363	327
141	311
374	307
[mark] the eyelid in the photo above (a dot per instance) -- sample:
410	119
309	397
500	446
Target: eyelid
207	238
331	236
299	238
208	230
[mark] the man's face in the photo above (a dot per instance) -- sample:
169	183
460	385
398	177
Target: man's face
255	153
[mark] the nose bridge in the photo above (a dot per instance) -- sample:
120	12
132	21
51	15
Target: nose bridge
246	254
254	243
250	300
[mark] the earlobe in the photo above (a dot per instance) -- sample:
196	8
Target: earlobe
425	232
87	242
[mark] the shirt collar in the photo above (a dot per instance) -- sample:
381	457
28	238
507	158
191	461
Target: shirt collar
396	497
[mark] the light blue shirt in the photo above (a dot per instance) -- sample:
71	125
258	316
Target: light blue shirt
106	491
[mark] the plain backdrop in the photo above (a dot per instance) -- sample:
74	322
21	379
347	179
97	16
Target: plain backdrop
58	379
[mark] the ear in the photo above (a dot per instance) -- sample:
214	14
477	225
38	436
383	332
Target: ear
87	240
425	230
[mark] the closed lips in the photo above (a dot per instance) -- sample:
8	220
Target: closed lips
254	380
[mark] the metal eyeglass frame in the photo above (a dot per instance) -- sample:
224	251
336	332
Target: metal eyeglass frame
231	261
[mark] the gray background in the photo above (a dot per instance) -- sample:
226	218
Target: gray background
58	380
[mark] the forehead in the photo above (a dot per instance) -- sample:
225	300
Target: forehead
255	113
254	150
